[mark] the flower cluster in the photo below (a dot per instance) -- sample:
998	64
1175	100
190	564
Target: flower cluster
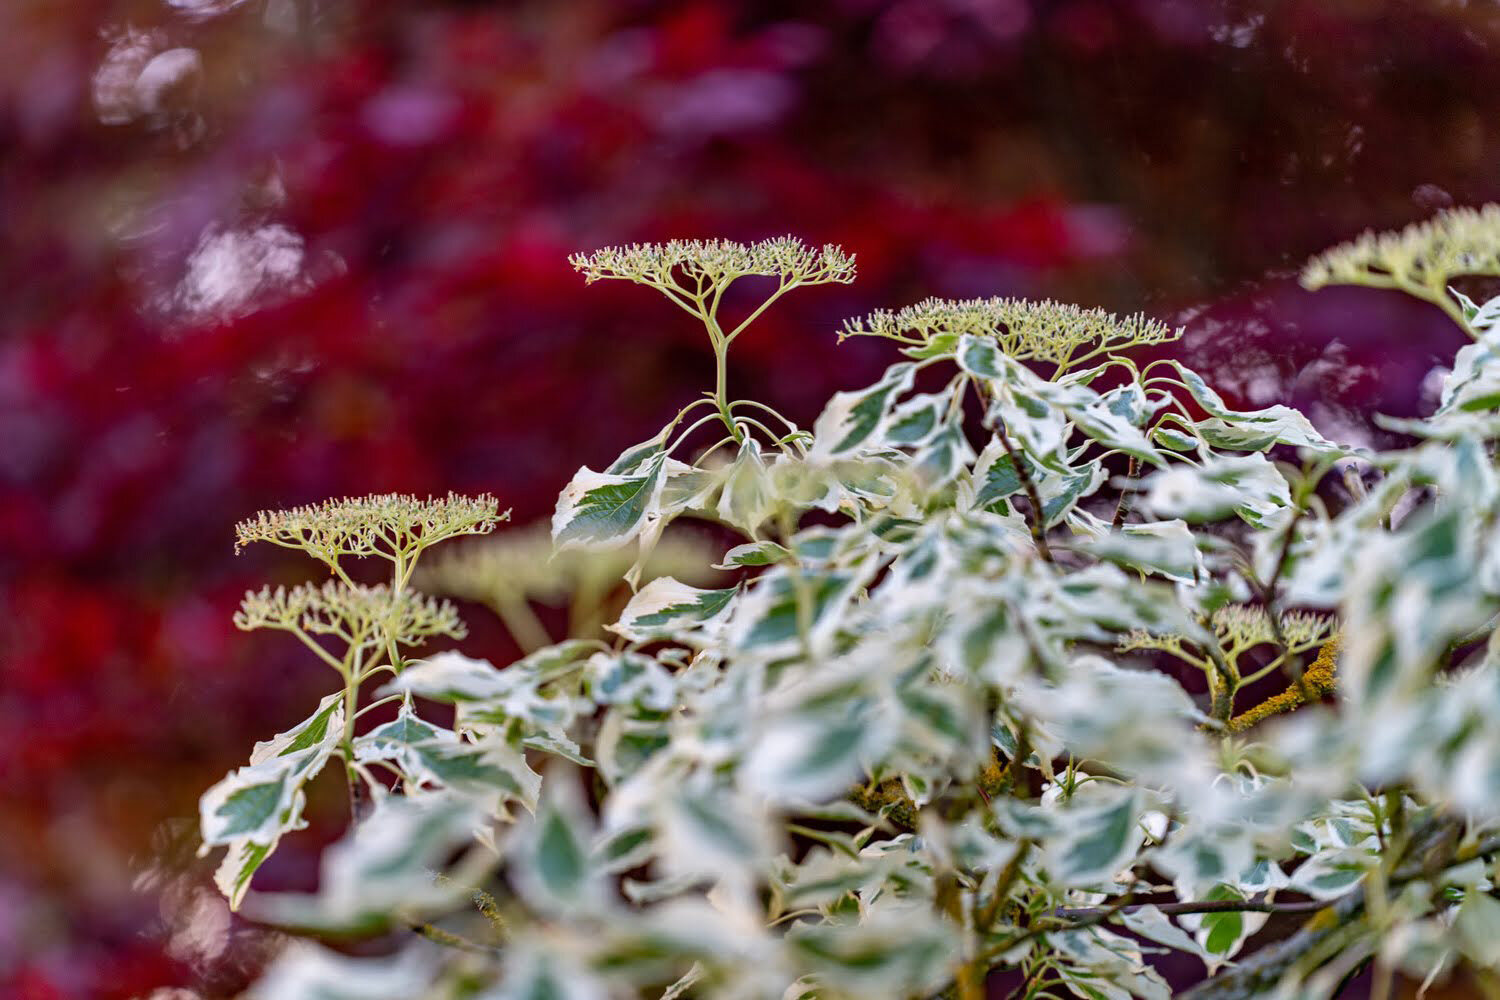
1236	629
711	262
339	609
388	525
1420	259
1047	331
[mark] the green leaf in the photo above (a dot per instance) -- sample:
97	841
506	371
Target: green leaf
555	868
752	554
748	497
853	419
668	609
1255	430
604	511
1098	840
630	678
1477	928
767	615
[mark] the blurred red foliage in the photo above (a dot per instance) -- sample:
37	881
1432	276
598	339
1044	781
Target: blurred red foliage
259	252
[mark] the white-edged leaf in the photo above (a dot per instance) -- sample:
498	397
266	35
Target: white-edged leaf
752	554
1167	548
604	511
555	864
1098	839
1326	875
853	420
252	807
1247	485
383	867
1254	430
630	678
749	495
307	971
666	608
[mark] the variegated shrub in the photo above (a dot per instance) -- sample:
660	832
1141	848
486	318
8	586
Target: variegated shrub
924	734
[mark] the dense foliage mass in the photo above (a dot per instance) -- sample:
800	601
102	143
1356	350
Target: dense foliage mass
260	252
929	734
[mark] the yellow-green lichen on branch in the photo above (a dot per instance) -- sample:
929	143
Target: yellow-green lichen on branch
1317	682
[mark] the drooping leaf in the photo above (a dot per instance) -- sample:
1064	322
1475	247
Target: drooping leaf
250	809
1255	430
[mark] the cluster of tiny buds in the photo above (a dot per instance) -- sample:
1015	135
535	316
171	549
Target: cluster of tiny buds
1454	242
336	608
373	525
714	260
1044	330
1242	626
1250	625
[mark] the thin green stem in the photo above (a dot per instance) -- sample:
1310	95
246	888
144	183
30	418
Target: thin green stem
692	427
762	406
378	702
721	388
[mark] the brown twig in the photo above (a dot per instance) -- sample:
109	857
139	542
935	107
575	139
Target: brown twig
1038	519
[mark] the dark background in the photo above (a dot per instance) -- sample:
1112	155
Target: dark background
255	253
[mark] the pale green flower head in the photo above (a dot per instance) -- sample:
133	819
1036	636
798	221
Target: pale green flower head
1457	241
350	612
711	262
1241	627
386	525
1055	332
